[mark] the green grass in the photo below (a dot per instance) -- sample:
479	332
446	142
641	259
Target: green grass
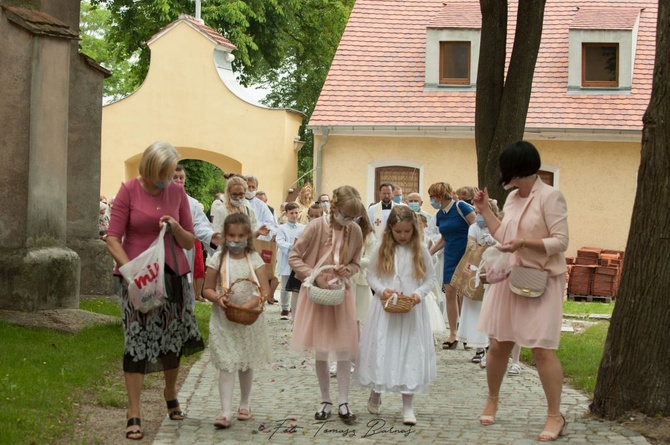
43	372
585	308
580	355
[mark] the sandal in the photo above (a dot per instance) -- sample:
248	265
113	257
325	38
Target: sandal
487	419
374	408
347	417
550	436
450	344
176	414
221	422
243	414
323	414
134	421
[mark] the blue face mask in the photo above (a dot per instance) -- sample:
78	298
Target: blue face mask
161	184
397	199
479	219
435	204
414	206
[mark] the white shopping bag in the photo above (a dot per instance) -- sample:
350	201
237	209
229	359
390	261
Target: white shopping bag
145	276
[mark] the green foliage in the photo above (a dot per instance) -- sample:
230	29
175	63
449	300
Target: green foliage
94	26
203	181
43	372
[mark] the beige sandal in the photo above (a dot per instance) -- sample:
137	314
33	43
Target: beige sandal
486	419
221	422
550	436
243	414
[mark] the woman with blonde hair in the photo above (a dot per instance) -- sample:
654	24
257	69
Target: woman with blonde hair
235	202
333	239
453	220
155	340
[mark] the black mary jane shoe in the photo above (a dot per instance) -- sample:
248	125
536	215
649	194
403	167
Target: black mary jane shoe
450	344
134	421
348	417
323	414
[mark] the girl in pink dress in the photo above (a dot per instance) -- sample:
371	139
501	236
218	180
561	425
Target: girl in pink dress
333	239
535	230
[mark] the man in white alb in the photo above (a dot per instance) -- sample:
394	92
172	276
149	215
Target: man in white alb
379	212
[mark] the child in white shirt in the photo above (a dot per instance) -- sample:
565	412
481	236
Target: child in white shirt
286	236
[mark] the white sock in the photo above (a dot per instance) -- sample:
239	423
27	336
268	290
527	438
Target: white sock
323	374
226	387
407	409
516	353
294	303
343	380
246	379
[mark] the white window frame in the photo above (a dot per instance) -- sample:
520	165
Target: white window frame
627	40
433	39
556	172
371	193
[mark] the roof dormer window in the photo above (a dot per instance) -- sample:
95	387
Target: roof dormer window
455	63
600	64
602	49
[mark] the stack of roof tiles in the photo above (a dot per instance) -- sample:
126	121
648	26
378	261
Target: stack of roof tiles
595	271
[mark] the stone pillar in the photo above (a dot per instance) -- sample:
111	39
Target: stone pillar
37	270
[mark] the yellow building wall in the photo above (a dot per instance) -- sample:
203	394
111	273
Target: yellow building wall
598	179
184	101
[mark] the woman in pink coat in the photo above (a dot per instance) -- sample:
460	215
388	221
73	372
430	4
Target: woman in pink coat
535	231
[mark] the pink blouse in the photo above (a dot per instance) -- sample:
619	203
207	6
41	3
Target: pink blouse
136	215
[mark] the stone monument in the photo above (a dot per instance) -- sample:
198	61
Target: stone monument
50	119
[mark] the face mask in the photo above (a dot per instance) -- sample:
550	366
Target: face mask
414	206
397	199
436	205
340	220
479	219
325	205
250	195
236	247
236	202
161	184
507	186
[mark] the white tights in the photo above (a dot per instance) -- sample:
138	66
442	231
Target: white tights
343	380
227	386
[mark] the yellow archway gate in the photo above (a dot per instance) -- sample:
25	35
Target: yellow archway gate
191	99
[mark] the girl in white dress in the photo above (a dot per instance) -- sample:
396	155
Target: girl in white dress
236	347
397	353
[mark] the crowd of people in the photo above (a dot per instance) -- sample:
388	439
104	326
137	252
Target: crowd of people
339	266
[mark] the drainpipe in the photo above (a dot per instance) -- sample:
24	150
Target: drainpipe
318	160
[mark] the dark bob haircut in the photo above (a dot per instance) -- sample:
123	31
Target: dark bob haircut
518	160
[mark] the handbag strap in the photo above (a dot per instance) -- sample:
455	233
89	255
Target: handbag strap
174	254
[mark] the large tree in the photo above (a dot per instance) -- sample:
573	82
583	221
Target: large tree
502	102
634	373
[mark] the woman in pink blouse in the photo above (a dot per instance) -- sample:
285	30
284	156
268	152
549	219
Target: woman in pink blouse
156	340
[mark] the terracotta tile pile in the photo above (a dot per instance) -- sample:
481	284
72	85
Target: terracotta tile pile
595	271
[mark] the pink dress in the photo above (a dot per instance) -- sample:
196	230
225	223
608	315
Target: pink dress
324	329
529	322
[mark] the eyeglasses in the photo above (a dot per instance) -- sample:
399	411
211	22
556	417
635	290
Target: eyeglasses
237	195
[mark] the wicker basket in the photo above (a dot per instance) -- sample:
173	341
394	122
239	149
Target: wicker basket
397	303
326	297
242	315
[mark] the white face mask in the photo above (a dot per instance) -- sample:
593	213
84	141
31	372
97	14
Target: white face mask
508	186
236	202
250	195
340	220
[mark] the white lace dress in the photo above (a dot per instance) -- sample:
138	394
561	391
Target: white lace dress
233	346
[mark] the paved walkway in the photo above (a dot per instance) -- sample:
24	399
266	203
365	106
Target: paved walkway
285	397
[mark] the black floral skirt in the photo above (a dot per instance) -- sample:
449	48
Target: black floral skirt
157	340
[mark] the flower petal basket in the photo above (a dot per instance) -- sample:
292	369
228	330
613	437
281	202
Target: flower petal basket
397	303
242	315
326	297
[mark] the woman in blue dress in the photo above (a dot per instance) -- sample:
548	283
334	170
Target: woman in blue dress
453	220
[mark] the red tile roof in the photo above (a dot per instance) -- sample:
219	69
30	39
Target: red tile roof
458	15
377	76
601	18
208	32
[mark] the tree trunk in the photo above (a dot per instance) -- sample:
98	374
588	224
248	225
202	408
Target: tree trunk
634	374
502	105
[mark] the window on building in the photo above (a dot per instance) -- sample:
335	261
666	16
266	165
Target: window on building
547	177
455	63
405	177
600	64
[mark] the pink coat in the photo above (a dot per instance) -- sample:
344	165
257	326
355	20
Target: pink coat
545	216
